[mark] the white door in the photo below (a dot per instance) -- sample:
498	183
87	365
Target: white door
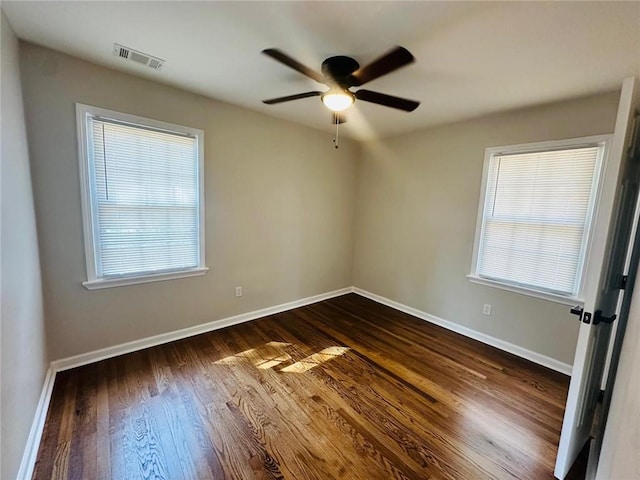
601	292
630	277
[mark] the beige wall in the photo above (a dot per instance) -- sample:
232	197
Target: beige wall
24	357
280	213
279	207
416	214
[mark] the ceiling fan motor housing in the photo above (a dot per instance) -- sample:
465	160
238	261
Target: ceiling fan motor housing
339	69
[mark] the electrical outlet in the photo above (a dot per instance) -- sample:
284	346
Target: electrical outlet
486	309
238	291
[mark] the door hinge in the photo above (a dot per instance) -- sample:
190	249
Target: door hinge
623	282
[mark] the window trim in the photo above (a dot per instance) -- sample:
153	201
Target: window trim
89	201
602	141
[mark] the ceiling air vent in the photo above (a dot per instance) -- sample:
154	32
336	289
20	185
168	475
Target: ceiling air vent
132	55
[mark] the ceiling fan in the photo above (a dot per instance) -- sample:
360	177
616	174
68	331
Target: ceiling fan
340	73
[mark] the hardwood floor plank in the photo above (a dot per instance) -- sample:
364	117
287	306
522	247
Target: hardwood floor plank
498	436
183	424
456	382
336	406
345	389
185	389
49	441
286	406
83	444
103	435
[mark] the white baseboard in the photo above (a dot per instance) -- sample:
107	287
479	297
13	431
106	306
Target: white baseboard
28	462
517	350
128	347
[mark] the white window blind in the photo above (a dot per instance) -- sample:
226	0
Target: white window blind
535	220
145	199
142	198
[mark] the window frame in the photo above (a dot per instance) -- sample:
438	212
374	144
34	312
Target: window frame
601	141
89	198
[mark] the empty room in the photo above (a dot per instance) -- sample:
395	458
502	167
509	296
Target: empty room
320	240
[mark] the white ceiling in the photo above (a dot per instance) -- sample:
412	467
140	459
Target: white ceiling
472	58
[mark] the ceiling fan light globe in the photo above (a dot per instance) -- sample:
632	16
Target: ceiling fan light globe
337	102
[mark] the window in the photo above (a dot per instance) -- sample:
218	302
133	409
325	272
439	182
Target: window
535	211
142	192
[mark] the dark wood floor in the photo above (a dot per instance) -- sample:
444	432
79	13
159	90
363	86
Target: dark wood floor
342	389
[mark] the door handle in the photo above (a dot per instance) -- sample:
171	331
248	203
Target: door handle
577	310
599	318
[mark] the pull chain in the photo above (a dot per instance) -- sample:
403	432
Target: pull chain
335	139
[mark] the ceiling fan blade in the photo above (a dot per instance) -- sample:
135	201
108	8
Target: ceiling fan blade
390	61
340	118
387	100
291	63
288	98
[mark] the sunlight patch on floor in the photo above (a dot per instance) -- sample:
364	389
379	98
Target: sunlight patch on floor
313	360
266	356
272	354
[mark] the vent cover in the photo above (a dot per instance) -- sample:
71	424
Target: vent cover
132	55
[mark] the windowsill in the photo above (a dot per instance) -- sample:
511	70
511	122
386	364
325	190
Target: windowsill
551	297
157	277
